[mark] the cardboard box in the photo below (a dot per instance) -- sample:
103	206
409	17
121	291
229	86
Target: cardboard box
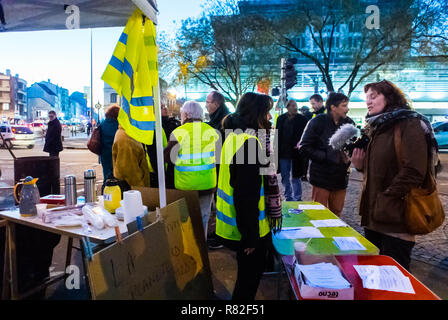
317	293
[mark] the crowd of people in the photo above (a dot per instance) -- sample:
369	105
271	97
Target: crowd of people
240	206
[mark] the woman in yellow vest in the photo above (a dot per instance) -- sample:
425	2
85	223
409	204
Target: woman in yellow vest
192	151
241	222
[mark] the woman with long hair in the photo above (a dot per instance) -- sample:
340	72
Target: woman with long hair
389	174
241	220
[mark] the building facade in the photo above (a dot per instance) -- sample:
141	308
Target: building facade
13	97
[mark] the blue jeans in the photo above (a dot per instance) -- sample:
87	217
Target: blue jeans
287	180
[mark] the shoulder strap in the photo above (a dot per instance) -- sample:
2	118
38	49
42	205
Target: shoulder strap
397	143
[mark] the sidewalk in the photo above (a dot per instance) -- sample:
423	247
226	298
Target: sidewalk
76	142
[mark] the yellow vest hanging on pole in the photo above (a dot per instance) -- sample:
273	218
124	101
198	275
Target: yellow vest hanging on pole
132	73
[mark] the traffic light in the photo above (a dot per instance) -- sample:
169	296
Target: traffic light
290	73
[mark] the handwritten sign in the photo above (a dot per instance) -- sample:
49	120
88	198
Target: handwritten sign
161	262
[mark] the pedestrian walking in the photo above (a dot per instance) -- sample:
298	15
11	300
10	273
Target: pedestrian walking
108	128
53	136
290	128
241	220
329	168
195	164
387	178
89	128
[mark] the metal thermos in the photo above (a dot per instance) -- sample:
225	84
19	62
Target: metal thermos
90	185
70	190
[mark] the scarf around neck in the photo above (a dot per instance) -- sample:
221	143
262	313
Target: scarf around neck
385	120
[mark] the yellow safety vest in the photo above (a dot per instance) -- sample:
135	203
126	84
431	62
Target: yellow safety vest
195	167
226	226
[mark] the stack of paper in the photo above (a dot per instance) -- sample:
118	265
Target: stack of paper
388	278
348	244
311	207
323	275
328	223
299	233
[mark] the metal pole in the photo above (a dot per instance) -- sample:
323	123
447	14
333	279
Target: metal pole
91	78
282	97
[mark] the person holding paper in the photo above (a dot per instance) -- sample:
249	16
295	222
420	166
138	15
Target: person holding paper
329	168
241	218
385	185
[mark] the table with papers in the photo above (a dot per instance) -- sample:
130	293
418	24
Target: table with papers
323	231
348	263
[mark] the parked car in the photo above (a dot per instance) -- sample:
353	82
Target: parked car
23	136
39	128
6	132
441	133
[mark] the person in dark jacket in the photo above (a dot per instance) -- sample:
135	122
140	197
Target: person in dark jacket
290	128
329	168
168	123
53	138
217	109
317	103
252	114
305	111
108	128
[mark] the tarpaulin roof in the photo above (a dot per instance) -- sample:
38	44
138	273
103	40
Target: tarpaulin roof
26	15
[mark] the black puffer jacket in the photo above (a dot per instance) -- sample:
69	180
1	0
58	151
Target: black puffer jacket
327	169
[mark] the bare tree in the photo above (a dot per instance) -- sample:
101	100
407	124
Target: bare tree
222	50
338	31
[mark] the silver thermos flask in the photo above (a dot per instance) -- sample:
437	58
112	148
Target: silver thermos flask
70	190
90	185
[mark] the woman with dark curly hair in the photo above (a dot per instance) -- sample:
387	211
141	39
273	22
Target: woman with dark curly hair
388	177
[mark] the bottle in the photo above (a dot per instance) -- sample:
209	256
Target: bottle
90	185
70	190
112	195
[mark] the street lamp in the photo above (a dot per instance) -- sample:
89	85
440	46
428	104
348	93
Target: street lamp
98	107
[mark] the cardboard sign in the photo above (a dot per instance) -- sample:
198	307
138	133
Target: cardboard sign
163	261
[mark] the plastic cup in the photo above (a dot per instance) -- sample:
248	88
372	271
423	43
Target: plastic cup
40	208
299	250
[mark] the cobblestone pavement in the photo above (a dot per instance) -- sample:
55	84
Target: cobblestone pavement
431	248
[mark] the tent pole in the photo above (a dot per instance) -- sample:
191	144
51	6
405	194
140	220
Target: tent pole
159	146
91	77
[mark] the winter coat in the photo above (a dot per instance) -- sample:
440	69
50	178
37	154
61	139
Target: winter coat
289	133
384	187
108	129
53	139
129	160
245	179
216	119
327	169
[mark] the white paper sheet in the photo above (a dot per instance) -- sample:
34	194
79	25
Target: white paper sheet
323	275
388	278
299	233
328	223
348	243
311	207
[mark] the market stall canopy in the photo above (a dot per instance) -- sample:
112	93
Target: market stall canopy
25	15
